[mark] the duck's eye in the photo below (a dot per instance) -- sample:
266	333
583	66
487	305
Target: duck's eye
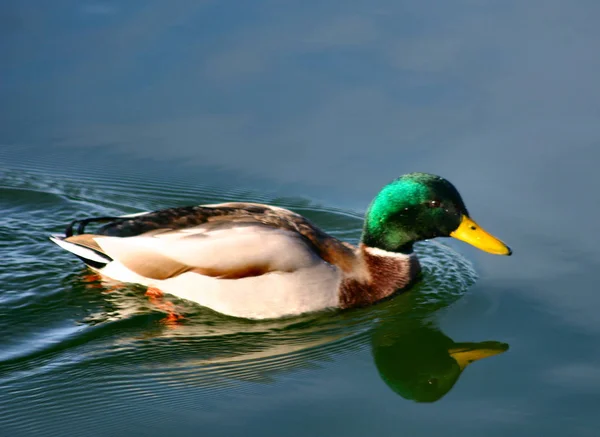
434	204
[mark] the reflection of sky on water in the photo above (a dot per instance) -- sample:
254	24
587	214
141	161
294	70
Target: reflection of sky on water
330	100
500	97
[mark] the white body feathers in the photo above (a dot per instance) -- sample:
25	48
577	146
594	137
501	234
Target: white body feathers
295	279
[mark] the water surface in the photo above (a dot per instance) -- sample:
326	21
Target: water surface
113	108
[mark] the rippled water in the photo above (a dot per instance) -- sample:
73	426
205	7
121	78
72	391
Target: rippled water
73	345
113	107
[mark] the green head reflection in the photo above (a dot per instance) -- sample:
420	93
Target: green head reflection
420	363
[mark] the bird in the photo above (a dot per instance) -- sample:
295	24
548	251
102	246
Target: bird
258	261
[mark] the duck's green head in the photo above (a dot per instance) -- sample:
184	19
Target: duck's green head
421	206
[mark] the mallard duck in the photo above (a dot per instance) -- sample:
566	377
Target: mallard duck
258	261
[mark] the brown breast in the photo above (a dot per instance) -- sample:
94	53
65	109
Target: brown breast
385	273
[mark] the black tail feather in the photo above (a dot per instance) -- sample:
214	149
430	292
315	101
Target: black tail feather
82	223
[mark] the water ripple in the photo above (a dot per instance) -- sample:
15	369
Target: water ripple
72	345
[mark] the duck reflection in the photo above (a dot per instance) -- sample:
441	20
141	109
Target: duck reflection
127	330
412	355
420	363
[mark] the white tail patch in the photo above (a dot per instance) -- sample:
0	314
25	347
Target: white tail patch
81	251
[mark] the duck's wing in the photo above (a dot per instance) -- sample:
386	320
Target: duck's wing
230	240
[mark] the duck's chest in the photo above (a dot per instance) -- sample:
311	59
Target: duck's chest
385	273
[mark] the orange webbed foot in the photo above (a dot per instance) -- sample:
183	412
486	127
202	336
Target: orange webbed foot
172	320
154	293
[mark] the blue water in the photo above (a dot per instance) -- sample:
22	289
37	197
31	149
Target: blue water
120	107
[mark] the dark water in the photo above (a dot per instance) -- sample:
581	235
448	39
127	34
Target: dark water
115	108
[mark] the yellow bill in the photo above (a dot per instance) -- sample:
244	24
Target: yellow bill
465	356
470	232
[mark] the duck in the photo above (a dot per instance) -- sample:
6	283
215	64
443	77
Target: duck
258	261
